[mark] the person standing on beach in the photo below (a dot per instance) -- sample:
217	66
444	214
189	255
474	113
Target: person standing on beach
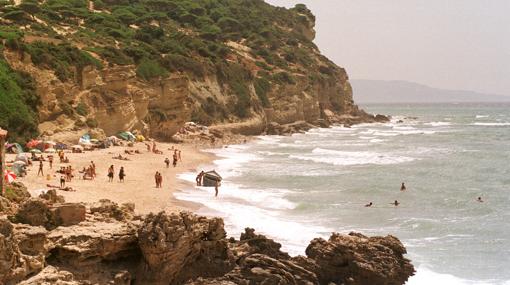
50	160
167	162
62	182
160	180
121	174
403	187
179	155
156	179
216	186
175	158
40	169
93	167
111	172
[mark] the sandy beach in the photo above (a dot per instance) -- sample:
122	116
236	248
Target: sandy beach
139	186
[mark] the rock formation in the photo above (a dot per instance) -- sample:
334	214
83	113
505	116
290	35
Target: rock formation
112	246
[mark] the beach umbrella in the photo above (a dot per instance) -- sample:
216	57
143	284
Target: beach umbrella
19	162
21	157
33	143
50	143
35	150
9	176
50	150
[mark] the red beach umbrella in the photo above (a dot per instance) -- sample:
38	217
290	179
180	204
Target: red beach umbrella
9	176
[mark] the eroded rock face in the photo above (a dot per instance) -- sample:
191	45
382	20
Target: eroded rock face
357	259
179	247
109	209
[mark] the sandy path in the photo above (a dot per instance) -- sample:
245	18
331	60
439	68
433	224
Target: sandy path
139	186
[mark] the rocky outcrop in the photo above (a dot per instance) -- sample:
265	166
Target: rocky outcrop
112	246
179	247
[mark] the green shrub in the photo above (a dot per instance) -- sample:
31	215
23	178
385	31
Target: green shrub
175	62
283	77
149	69
82	109
262	87
91	123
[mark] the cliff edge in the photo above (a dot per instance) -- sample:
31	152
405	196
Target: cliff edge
106	66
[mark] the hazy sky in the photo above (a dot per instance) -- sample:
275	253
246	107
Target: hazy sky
454	44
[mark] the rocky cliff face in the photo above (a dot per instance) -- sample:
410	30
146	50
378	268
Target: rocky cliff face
249	79
109	245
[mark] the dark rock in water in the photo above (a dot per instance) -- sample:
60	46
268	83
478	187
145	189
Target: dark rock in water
381	118
357	259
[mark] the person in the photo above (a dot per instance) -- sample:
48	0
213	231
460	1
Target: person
175	158
167	162
154	146
403	187
199	178
216	188
50	160
121	174
40	169
479	199
369	204
93	168
179	155
148	147
62	182
396	203
156	179
160	179
111	172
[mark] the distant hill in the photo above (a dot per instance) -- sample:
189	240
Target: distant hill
379	91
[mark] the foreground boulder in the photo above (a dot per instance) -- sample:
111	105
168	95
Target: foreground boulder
179	247
40	212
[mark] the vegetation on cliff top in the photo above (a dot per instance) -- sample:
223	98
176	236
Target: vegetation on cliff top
165	36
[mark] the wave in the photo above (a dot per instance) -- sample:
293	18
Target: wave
491	124
346	158
425	276
481	116
438	124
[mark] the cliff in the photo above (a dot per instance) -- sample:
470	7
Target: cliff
48	241
101	67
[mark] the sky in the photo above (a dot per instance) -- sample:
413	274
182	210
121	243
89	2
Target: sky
454	44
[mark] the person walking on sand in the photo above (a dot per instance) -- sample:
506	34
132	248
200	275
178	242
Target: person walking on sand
111	172
403	187
40	169
167	162
199	178
122	174
216	186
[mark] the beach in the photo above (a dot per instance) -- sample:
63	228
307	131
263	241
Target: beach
139	186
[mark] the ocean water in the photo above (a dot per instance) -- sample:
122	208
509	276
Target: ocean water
298	187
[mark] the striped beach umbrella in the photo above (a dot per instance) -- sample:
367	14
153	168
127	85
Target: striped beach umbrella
9	176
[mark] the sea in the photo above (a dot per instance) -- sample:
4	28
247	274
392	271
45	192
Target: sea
295	188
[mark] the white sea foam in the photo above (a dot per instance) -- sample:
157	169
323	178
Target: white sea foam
425	276
438	124
345	158
482	116
490	124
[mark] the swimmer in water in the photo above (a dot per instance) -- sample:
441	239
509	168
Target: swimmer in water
396	203
479	199
369	204
403	187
